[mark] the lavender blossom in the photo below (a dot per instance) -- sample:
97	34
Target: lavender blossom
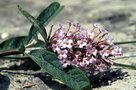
90	50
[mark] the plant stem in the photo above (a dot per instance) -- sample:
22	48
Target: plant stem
125	42
9	52
122	57
15	57
125	66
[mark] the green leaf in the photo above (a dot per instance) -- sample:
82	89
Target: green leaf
74	78
45	17
13	43
19	43
49	13
35	23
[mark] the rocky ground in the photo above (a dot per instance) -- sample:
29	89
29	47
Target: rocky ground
117	16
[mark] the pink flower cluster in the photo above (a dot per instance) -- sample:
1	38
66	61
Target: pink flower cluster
90	50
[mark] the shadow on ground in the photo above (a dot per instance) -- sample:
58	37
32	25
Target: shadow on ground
107	78
97	81
4	82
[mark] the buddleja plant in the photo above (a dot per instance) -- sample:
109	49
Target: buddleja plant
69	54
